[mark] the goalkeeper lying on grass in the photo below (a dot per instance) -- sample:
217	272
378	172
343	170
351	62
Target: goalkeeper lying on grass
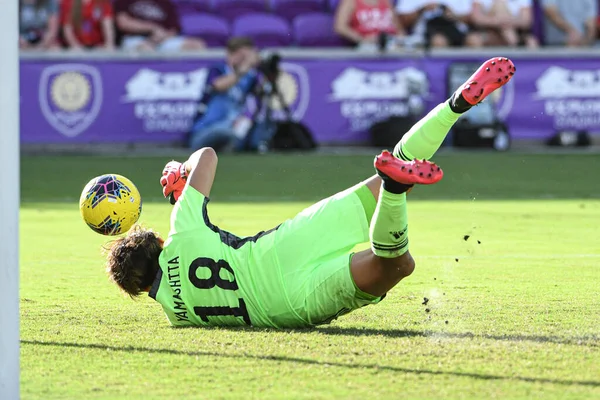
301	273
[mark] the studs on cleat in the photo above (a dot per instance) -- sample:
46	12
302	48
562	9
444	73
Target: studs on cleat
487	69
420	174
410	171
499	69
403	167
506	77
493	62
499	80
429	175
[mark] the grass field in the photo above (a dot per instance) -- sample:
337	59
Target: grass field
513	312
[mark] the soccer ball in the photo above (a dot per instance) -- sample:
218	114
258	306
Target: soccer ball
110	204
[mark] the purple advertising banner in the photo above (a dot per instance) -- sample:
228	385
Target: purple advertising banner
338	99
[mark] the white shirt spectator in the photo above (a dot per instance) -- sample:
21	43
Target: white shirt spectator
460	8
514	6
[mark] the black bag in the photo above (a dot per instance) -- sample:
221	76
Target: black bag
570	139
388	132
492	136
291	135
445	27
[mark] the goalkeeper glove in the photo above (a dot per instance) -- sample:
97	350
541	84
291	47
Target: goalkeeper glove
173	180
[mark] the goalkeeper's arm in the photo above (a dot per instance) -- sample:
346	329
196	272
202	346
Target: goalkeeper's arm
200	169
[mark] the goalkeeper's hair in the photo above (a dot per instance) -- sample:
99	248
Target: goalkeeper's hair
132	261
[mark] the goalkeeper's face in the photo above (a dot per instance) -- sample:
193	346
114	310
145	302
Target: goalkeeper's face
132	261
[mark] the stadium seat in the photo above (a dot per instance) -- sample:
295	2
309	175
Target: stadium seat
212	29
289	9
316	30
232	9
267	30
333	5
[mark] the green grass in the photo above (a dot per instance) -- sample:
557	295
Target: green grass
517	316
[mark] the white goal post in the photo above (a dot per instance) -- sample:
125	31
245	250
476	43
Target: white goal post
9	200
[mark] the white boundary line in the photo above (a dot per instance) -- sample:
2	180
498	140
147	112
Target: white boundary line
9	202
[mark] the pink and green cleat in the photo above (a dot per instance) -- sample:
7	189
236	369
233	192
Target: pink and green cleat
492	75
421	172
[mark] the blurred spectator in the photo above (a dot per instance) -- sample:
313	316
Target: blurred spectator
147	25
227	87
38	24
570	22
440	23
87	24
363	21
598	29
504	22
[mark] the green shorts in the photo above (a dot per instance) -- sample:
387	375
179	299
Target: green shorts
314	250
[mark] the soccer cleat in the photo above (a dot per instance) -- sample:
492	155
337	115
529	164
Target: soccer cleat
493	74
420	172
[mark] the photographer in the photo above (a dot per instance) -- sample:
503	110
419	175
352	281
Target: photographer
227	88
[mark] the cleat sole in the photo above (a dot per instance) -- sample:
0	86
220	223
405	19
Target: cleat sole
491	75
402	171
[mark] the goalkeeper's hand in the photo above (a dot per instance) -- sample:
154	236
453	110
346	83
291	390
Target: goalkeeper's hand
173	180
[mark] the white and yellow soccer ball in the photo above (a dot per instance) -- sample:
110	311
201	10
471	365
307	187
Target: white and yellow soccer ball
110	204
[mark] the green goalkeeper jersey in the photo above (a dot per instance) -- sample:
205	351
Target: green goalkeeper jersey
295	275
211	277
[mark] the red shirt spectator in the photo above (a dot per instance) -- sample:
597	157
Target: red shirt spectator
363	20
159	12
87	23
372	18
145	25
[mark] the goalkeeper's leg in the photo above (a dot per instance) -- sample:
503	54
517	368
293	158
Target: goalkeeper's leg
379	269
427	135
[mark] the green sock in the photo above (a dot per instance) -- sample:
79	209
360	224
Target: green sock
389	226
427	135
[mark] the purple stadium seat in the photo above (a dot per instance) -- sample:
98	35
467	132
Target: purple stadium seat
232	9
210	28
316	30
290	9
333	5
267	30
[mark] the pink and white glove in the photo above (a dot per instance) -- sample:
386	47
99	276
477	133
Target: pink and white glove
173	180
